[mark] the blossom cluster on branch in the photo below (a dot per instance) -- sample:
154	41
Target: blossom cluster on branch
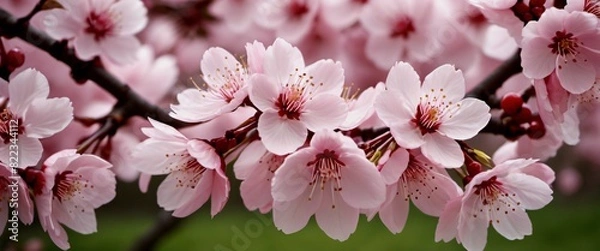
334	108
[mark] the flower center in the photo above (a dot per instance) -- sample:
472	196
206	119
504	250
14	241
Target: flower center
326	166
99	25
297	9
9	125
272	161
290	102
403	28
67	185
427	119
592	6
489	190
191	173
564	44
230	81
417	176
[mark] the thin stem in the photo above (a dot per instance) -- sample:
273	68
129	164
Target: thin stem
109	127
164	224
38	7
486	90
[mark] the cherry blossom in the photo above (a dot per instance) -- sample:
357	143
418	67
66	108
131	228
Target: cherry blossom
74	186
238	15
410	176
342	13
432	115
37	116
11	183
226	85
99	27
331	179
591	6
294	98
565	42
195	170
291	19
360	108
499	197
256	167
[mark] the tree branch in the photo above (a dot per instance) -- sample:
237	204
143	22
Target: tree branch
163	226
83	70
486	90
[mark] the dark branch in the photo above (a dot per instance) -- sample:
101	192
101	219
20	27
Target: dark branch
486	90
83	70
163	226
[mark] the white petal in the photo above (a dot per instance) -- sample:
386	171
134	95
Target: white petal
328	77
362	186
44	118
337	219
395	213
530	191
24	88
281	60
395	166
263	92
120	50
442	150
445	81
405	80
293	177
86	47
281	135
324	111
467	120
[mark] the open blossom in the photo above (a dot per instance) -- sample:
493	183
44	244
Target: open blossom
400	30
342	13
291	19
237	14
331	179
256	167
99	27
294	98
499	197
37	116
565	42
360	108
411	177
195	170
13	192
73	187
591	6
226	85
431	116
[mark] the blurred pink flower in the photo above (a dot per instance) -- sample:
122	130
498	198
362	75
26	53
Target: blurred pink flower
99	27
564	42
331	179
37	116
499	197
433	115
342	14
291	19
195	170
9	184
294	98
74	186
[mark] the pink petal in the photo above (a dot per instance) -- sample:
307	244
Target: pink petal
407	135
325	111
197	106
291	216
220	192
256	189
248	160
472	230
395	213
281	60
445	81
24	88
328	77
395	166
362	186
293	176
59	24
217	62
384	51
163	132
442	150
121	50
74	216
263	92
30	152
58	235
157	157
447	227
551	22
537	59
467	120
405	80
575	76
204	153
86	47
133	16
578	23
540	171
256	53
144	182
281	135
433	192
197	196
531	192
44	118
337	219
172	194
512	225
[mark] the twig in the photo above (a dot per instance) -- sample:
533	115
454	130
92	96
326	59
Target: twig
35	10
136	105
486	90
163	226
109	127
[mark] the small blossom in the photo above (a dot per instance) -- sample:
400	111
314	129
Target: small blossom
566	43
431	116
74	186
99	27
331	179
294	98
291	19
195	170
13	191
37	117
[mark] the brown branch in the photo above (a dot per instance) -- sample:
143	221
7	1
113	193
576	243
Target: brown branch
164	224
486	90
83	70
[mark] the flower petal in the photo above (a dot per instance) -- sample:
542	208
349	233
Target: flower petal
291	216
442	150
337	219
537	60
395	166
263	92
327	77
395	213
24	88
404	79
446	82
281	60
326	111
45	117
293	177
576	76
281	135
470	116
362	186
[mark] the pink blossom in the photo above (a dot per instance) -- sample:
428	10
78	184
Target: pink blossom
294	98
74	186
565	42
255	167
195	170
291	19
99	27
359	108
591	6
226	85
13	187
412	176
499	197
37	116
237	14
433	115
331	179
400	30
342	14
